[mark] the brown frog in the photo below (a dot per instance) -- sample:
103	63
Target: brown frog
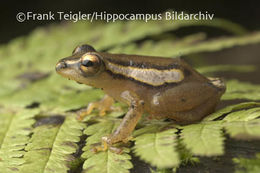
162	87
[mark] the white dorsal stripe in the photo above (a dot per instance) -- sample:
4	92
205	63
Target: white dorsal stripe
149	76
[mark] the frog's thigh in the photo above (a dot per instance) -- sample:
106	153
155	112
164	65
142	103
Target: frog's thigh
186	96
196	114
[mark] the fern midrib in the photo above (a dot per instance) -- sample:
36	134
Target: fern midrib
255	111
108	155
156	148
108	169
52	149
202	137
7	130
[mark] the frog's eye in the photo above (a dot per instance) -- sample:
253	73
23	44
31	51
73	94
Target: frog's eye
87	63
83	49
90	64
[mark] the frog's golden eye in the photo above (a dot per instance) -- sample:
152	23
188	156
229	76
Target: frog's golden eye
90	64
87	63
83	48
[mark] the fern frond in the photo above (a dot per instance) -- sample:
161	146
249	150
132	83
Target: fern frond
65	145
15	138
39	149
204	139
244	129
6	119
158	148
168	49
230	109
107	161
218	44
241	90
52	146
243	115
245	165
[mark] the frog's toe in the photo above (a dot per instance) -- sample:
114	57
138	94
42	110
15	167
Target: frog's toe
116	150
82	113
98	148
106	145
102	112
129	138
80	118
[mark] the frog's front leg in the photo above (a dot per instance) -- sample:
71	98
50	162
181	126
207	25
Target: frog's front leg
104	105
126	127
124	131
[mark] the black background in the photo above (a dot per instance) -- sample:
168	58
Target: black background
246	13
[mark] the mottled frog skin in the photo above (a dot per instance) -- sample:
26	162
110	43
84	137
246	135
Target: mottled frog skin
162	87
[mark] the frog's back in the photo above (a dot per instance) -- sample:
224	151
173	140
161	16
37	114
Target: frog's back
171	70
138	61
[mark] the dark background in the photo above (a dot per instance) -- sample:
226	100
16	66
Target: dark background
246	13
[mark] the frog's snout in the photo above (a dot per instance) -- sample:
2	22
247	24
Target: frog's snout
61	65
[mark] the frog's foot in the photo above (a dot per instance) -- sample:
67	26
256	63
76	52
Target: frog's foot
105	146
129	138
99	147
103	106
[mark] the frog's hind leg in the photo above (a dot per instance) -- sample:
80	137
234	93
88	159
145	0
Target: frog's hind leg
103	106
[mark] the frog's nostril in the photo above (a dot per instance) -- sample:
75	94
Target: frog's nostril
61	65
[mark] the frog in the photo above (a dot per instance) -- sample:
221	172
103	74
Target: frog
160	87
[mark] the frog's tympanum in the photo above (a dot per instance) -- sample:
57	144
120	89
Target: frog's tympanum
161	87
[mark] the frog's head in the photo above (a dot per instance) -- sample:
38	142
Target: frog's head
83	66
